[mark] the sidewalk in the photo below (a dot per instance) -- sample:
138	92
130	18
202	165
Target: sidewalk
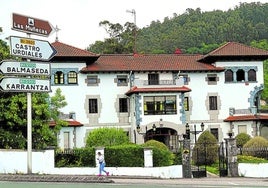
55	178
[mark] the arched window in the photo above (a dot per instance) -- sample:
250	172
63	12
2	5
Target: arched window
72	77
252	75
229	76
240	75
59	77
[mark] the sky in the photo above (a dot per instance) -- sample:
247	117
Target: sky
78	20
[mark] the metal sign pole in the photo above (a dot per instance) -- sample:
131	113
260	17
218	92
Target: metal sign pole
29	128
29	133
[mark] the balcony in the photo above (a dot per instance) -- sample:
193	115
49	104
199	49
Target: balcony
157	83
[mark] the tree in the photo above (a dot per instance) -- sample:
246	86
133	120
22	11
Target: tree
106	137
4	50
121	39
13	116
56	103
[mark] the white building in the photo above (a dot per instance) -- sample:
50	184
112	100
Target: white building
154	96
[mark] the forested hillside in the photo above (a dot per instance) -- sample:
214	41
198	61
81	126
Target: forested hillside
195	28
192	32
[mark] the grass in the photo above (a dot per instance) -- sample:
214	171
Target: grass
214	168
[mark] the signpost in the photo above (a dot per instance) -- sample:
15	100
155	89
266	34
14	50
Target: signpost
31	25
31	48
17	84
25	68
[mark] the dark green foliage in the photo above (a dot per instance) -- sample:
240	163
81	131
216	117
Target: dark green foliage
106	137
194	31
256	147
75	158
241	139
205	151
130	155
157	144
12	140
162	156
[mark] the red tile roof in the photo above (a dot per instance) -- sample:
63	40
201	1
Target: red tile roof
71	123
234	49
135	89
159	62
65	50
246	118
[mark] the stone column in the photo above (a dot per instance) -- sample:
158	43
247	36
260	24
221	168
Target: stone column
186	165
232	157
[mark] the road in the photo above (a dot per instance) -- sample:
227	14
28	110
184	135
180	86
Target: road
149	183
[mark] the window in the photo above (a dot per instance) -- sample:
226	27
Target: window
185	78
213	103
252	75
212	79
155	105
123	105
229	76
186	103
66	137
72	77
122	80
242	129
59	77
92	80
240	75
153	79
215	132
93	106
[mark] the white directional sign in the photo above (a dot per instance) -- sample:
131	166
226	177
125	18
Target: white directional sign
25	68
31	48
17	84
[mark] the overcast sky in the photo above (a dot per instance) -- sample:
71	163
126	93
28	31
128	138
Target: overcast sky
78	20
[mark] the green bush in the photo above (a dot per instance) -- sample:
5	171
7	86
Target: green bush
82	157
241	139
106	137
256	147
205	151
162	156
129	155
250	159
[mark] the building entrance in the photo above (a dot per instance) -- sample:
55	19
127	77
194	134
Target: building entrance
165	135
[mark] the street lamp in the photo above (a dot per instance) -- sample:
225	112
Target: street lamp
195	132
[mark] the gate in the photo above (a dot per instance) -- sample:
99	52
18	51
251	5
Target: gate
205	154
199	160
223	162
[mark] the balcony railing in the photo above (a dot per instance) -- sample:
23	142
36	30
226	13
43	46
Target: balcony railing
141	83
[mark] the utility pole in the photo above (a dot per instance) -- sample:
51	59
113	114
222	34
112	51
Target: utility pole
133	12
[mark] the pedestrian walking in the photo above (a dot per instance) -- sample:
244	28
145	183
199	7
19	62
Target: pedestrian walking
101	160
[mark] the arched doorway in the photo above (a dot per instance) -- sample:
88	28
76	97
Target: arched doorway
165	135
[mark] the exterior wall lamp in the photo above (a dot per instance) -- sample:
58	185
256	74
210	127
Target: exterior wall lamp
154	128
139	130
161	124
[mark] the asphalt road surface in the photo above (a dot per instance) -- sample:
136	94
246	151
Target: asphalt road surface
148	183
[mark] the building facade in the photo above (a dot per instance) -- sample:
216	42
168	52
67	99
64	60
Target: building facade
155	96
